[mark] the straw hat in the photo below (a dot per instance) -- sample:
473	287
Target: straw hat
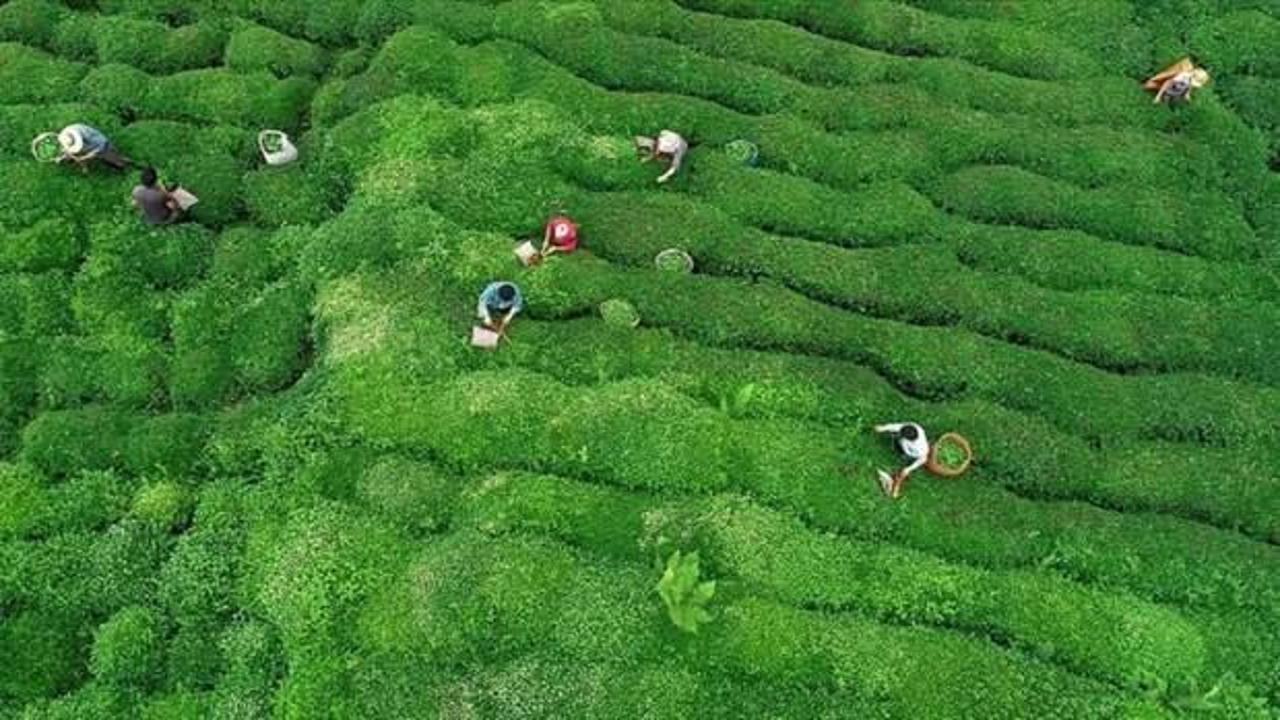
71	140
562	231
1199	78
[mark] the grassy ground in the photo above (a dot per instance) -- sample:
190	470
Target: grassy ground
252	469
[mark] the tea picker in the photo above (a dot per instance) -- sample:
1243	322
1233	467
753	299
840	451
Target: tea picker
950	456
499	304
559	235
80	144
668	146
1176	82
157	204
914	444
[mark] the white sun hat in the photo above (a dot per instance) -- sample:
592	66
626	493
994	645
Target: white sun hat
562	230
71	140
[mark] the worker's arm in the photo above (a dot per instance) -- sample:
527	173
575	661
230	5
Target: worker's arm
506	319
890	427
482	309
913	467
673	168
1164	86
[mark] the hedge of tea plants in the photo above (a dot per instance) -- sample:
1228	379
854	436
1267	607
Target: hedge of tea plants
250	466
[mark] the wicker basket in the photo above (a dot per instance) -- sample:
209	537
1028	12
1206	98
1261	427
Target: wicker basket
933	466
45	139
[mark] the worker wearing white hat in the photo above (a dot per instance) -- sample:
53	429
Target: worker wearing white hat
82	143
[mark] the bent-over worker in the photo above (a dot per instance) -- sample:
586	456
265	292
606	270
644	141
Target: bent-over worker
82	144
668	146
912	443
559	236
501	300
1176	82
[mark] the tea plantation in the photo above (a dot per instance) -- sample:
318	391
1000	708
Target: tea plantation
251	467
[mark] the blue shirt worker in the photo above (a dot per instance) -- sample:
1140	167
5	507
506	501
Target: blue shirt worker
82	144
500	299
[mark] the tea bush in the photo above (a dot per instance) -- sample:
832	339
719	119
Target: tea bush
257	49
1008	195
28	75
285	196
902	30
226	342
215	95
127	649
31	22
52	244
144	44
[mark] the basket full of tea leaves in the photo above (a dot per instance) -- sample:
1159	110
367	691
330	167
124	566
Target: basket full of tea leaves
950	456
619	313
46	148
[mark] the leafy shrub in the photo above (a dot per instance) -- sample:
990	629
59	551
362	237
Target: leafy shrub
1001	194
380	19
128	649
34	305
286	196
32	22
199	576
904	30
110	302
154	47
65	442
268	340
129	370
164	504
121	89
74	38
35	509
685	597
413	495
177	706
165	257
605	519
250	256
255	663
48	245
169	444
1077	261
93	701
43	656
255	100
32	76
156	141
216	179
257	49
1239	43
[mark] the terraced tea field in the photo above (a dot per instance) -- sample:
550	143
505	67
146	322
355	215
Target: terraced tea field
253	469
